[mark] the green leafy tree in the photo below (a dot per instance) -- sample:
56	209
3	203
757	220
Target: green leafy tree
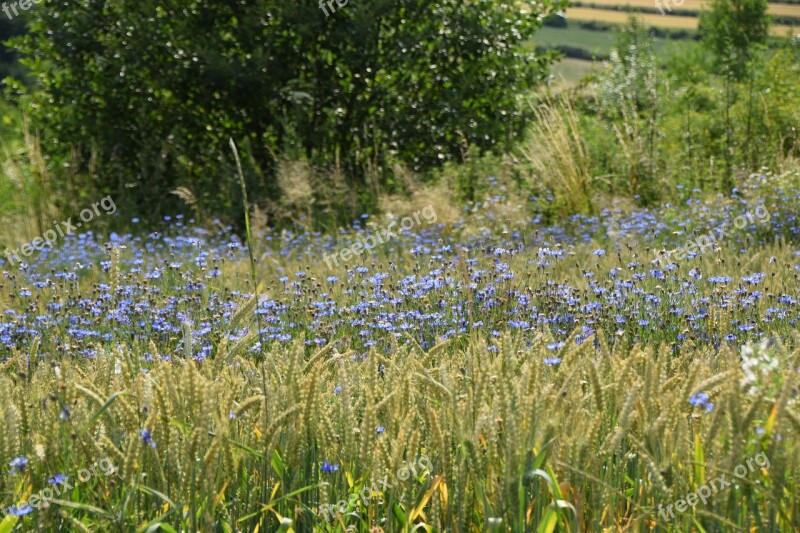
150	91
731	28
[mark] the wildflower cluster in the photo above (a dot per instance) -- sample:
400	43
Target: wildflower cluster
59	485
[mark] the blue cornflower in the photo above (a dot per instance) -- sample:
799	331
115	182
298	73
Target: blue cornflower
599	252
337	389
328	468
20	511
550	361
18	464
698	399
380	430
58	479
754	279
555	346
701	400
146	437
722	280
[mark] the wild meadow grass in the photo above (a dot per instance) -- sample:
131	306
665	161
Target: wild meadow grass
487	375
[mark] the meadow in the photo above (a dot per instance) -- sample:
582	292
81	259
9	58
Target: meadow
568	72
478	371
396	274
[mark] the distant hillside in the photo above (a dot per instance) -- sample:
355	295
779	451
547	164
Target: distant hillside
585	30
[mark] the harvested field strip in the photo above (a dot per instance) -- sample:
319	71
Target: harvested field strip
620	17
688	5
688	23
782	30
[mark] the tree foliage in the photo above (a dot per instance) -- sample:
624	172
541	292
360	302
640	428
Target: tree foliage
150	91
732	27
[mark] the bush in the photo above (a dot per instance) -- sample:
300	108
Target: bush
555	21
577	52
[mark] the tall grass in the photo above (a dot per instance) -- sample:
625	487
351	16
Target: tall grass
556	154
27	203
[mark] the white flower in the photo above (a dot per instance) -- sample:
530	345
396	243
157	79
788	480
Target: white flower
758	366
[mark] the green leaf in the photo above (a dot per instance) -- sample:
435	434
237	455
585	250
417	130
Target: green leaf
153	492
8	524
277	464
699	462
84	507
549	522
157	525
106	406
399	513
